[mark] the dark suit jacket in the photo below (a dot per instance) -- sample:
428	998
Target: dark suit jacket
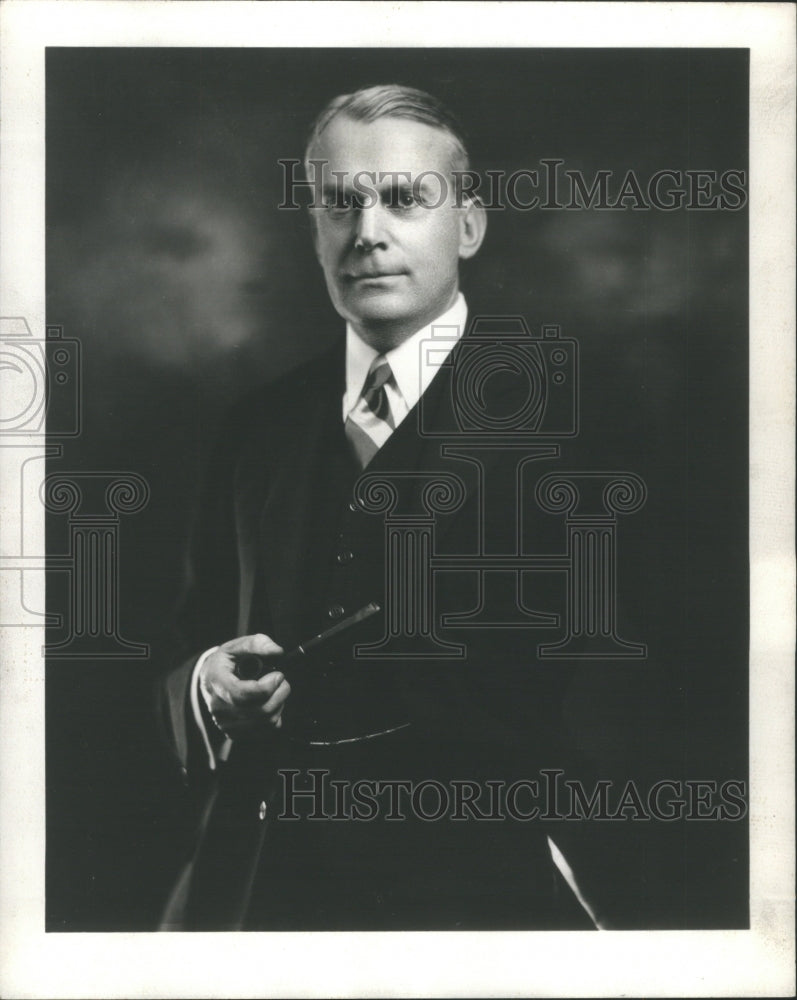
277	545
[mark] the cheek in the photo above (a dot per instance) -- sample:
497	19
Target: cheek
443	233
438	251
328	244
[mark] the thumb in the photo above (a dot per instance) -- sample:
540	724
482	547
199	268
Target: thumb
259	644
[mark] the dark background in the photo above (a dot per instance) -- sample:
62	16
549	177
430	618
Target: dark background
168	259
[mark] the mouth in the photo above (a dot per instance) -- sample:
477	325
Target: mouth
372	276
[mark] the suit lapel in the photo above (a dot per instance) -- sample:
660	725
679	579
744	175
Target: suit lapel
423	444
303	448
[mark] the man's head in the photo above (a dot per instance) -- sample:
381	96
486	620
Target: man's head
390	234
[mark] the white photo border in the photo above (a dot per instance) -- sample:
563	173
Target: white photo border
757	962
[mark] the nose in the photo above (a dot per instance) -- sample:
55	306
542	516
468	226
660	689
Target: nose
371	229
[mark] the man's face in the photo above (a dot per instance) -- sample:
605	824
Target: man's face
390	260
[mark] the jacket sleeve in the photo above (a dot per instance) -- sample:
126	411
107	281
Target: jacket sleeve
206	613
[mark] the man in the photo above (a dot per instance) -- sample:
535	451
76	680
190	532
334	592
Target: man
284	549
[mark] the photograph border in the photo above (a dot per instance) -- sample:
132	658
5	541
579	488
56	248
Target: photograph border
757	962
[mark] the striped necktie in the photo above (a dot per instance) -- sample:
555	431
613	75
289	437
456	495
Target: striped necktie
370	422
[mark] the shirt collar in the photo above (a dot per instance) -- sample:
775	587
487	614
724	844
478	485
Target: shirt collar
411	367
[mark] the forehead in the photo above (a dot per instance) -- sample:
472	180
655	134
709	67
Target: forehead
385	145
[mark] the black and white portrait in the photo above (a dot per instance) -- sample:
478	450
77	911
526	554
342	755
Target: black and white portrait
394	454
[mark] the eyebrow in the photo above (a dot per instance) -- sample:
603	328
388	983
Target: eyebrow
389	183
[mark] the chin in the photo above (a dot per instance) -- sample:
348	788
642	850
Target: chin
379	309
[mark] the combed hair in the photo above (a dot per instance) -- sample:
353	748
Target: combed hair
393	101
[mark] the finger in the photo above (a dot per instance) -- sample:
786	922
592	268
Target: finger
254	693
225	687
236	725
278	699
259	643
269	682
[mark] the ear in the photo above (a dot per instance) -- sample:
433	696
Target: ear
472	227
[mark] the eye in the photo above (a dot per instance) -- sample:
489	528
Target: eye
402	199
338	205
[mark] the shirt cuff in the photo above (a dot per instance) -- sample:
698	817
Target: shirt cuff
214	756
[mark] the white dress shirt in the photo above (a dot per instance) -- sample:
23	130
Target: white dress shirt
414	362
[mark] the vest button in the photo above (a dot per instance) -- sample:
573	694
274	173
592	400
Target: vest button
335	611
343	557
353	507
261	811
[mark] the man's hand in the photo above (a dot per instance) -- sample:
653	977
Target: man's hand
243	707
